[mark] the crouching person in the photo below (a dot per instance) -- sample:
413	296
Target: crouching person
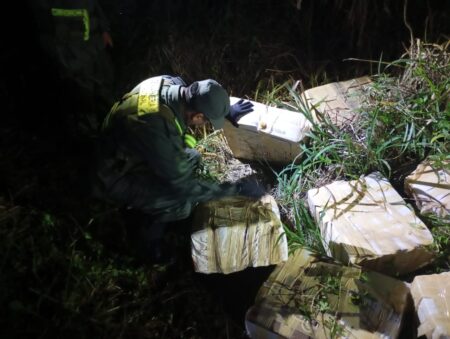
146	161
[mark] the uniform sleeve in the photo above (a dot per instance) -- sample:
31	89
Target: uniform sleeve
175	80
155	140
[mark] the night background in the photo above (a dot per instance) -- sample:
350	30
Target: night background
65	271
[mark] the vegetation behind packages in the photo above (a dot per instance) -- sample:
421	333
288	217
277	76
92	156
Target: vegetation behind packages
65	270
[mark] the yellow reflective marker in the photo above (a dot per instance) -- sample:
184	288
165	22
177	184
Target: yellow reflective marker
148	100
82	13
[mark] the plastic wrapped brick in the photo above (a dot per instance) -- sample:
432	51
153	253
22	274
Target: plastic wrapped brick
235	233
429	185
312	297
268	133
366	222
339	101
431	294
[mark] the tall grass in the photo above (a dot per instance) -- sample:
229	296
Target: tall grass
60	277
243	44
303	231
404	118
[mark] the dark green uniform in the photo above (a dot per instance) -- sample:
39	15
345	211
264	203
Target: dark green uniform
71	34
142	161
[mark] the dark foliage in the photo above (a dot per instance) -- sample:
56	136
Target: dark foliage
65	270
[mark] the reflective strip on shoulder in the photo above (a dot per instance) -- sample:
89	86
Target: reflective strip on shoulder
83	13
189	140
180	130
148	100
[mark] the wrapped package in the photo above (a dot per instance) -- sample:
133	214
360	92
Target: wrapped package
431	295
274	134
340	101
429	186
366	222
235	233
268	133
313	297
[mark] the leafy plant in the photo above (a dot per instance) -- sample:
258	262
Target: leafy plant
440	229
404	118
304	232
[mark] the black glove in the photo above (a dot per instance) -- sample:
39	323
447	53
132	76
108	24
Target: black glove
238	110
250	187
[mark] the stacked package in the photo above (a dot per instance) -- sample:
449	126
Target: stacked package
339	101
429	185
431	294
366	222
312	297
235	233
274	134
268	133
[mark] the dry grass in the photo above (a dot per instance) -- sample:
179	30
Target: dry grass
218	162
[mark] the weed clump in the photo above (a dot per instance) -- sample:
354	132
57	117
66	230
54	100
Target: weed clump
404	119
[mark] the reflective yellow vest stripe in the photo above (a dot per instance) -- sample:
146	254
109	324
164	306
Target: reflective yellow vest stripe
180	130
148	102
83	13
189	140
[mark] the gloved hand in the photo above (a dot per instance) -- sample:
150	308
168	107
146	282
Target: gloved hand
250	187
238	110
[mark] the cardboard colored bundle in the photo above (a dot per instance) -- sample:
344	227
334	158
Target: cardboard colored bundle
366	222
431	295
268	133
340	101
235	233
312	297
430	188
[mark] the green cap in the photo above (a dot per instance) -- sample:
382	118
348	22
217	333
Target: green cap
211	99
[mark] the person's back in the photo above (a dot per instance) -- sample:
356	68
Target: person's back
75	34
143	164
148	150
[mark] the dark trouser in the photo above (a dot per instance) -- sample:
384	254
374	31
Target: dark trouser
144	235
141	191
148	204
